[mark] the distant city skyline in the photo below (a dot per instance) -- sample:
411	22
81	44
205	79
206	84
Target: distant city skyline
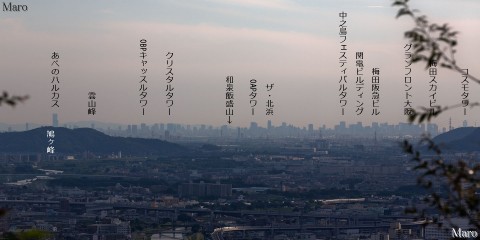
291	44
55	122
165	129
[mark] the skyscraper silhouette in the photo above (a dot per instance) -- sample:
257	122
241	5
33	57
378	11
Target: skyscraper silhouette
54	120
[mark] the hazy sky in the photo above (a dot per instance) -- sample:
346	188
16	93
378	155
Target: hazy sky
293	44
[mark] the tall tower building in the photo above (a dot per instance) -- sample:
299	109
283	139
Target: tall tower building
310	128
54	120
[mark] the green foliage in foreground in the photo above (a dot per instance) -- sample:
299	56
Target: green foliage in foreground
27	235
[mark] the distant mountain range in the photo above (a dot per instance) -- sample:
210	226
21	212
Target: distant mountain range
460	139
80	140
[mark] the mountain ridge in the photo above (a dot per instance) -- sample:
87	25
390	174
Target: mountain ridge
79	140
460	139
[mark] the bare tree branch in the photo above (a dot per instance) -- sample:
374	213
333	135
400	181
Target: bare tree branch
12	100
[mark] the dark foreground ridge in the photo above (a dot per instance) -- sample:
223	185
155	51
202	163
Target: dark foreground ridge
83	140
460	139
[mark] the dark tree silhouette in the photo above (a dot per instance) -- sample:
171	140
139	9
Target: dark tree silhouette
11	100
452	185
431	43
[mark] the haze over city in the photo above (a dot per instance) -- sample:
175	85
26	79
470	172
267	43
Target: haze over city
238	119
291	44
